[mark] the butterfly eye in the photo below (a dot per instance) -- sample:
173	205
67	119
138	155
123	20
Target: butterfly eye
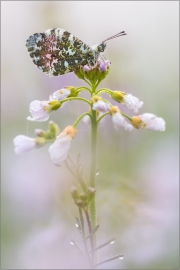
100	48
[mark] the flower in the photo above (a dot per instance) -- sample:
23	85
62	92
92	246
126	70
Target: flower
60	94
104	65
130	101
119	120
149	121
99	104
59	149
40	110
24	144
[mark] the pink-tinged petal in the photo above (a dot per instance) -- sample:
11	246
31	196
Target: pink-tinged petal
40	111
152	122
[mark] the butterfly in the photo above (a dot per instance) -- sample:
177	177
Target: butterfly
57	52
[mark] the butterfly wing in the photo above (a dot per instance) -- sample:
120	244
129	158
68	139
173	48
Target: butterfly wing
57	51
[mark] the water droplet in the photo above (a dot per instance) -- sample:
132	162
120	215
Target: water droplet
97	170
77	225
112	242
72	243
121	257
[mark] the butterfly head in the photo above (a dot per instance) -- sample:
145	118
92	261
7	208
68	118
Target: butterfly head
101	47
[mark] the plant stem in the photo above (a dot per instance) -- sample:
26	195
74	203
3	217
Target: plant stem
92	182
91	237
93	165
83	236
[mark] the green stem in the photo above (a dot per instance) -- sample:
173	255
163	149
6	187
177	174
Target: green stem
127	116
75	98
104	90
93	163
91	238
83	236
99	119
87	82
92	179
79	118
82	88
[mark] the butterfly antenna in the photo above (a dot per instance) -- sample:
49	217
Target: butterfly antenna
122	33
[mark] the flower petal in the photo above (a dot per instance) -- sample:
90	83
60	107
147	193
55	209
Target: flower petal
23	144
40	111
120	122
152	122
101	106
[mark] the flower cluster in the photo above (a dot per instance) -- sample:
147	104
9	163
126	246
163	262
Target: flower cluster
59	148
41	110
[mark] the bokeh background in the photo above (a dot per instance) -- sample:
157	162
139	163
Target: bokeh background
137	185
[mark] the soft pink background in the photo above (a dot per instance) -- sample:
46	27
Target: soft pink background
137	188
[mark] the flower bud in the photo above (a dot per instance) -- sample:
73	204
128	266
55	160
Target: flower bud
81	204
40	132
54	105
86	68
118	96
103	66
73	91
53	129
83	197
75	193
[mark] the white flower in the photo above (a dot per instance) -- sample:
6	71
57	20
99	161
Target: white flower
120	122
59	149
60	94
132	103
101	106
23	144
151	121
40	111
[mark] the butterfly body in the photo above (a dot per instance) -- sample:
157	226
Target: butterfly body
57	51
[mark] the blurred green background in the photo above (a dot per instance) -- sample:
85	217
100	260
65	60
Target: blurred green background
137	185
